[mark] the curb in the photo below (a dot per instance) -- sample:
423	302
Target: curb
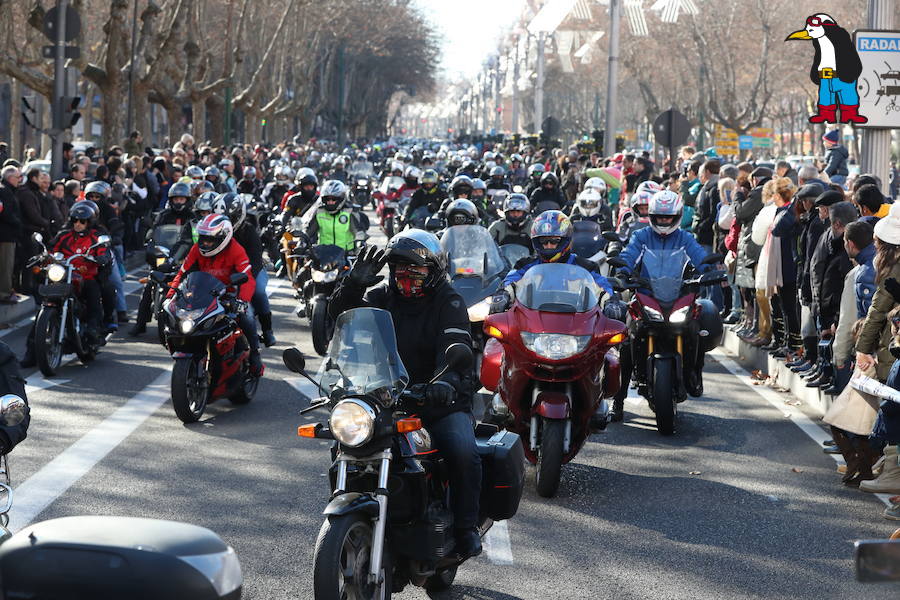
751	357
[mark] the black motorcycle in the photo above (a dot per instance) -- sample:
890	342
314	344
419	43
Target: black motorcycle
61	325
158	257
326	265
389	523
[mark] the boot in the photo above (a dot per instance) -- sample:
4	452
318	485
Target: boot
826	114
850	114
256	365
867	457
468	542
778	337
137	329
265	321
618	410
848	451
889	480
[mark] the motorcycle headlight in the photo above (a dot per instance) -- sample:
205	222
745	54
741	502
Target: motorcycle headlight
187	326
555	346
653	314
160	260
189	314
324	276
480	310
56	273
680	315
352	422
362	182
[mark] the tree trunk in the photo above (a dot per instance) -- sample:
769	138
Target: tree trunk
141	109
215	107
110	112
173	117
15	126
198	119
87	117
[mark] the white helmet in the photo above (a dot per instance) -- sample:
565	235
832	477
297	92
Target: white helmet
665	204
412	173
648	186
213	234
589	202
595	183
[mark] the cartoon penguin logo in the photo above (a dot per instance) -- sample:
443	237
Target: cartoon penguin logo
835	69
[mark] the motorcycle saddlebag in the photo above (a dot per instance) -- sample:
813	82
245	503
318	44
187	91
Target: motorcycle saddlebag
711	322
490	364
502	474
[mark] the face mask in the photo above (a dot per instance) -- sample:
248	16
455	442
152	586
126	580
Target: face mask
410	283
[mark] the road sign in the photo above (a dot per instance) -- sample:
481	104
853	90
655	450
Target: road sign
73	24
762	137
745	142
671	128
72	52
879	83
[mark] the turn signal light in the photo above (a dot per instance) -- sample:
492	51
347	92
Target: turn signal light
494	332
143	280
409	424
307	431
617	339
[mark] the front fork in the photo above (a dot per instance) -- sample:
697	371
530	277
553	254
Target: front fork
63	320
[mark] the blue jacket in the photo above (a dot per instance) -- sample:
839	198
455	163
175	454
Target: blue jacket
517	273
864	286
648	238
787	229
836	161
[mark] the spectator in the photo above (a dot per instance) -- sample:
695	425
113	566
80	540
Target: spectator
786	231
133	145
870	202
784	169
77	172
766	273
49	208
34	219
57	198
10	232
705	219
809	174
73	193
68	151
746	210
690	183
835	157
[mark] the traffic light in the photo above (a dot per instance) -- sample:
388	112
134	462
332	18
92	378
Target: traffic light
28	111
620	144
598	135
70	114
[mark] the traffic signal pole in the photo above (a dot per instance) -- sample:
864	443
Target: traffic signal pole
59	91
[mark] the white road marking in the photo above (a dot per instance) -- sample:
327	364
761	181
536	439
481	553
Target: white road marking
497	546
304	386
275	285
44	487
816	433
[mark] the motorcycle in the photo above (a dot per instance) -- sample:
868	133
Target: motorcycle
589	242
294	246
162	240
326	266
551	362
388	523
388	210
61	324
212	355
361	179
13	410
670	326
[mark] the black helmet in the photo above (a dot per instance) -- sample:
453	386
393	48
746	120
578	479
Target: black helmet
308	179
551	177
83	211
516	203
235	207
178	190
462	212
205	203
461	184
416	247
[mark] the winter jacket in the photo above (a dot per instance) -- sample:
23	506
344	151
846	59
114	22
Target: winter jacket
31	201
542	200
233	259
109	218
248	237
705	217
688	193
648	238
745	210
875	335
10	215
787	229
812	230
864	283
503	233
842	349
12	382
817	263
422	198
832	284
836	161
68	243
337	229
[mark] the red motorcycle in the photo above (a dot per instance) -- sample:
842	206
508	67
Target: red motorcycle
212	355
552	364
388	210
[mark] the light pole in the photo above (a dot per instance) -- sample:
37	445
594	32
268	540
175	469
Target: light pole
609	140
129	107
875	150
539	84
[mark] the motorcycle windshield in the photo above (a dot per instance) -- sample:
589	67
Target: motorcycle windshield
362	356
328	257
198	290
362	169
665	271
472	252
391	183
166	235
557	287
587	239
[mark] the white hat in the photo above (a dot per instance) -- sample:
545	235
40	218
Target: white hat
888	229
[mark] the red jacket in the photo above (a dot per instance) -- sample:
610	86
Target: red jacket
68	243
233	259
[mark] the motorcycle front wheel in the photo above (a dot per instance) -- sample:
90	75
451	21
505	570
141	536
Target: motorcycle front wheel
320	326
190	389
342	557
389	227
550	457
664	396
47	347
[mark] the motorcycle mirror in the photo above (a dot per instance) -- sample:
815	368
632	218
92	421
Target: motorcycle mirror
712	259
13	410
459	357
158	277
611	236
37	237
293	359
103	239
877	560
615	261
238	278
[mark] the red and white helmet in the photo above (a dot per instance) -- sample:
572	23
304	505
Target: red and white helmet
648	186
214	233
641	199
665	204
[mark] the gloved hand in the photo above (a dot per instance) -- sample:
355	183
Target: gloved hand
365	269
499	302
440	393
893	288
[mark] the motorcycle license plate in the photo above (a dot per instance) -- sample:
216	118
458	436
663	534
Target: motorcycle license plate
55	290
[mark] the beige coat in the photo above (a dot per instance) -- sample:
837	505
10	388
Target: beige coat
875	335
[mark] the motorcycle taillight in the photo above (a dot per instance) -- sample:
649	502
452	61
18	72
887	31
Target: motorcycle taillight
634	309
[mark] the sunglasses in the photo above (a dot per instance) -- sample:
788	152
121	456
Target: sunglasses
817	22
82	221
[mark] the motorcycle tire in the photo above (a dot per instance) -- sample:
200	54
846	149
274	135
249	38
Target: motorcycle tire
320	326
247	390
550	457
664	397
441	580
161	332
47	350
389	227
341	560
190	389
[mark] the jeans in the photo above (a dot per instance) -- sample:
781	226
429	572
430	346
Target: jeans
713	292
260	300
115	277
7	266
454	436
248	326
834	91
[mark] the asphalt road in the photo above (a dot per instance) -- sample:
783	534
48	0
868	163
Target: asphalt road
739	504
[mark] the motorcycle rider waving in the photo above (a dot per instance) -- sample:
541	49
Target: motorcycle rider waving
423	304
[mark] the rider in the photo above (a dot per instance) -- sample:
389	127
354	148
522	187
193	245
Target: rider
515	225
590	206
548	196
217	253
299	202
333	224
498	180
420	298
535	172
462	212
429	194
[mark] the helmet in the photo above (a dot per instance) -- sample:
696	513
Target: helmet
334	195
205	203
461	184
488	156
84	211
417	248
429	176
588	202
194	172
641	199
497	172
397	166
308	179
338	163
665	204
470	166
178	190
97	187
211	172
462	212
550	177
552	224
516	202
595	183
213	234
412	175
225	162
249	172
515	157
648	186
478	184
200	187
536	170
235	207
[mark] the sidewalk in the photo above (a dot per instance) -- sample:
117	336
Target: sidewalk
752	358
10	314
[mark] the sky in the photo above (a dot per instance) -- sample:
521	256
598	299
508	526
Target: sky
470	30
